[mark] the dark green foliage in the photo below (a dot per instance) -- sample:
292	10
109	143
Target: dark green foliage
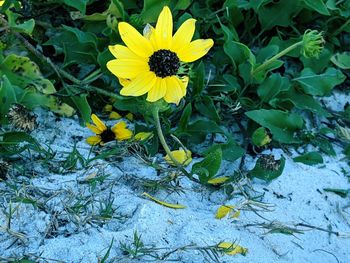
233	86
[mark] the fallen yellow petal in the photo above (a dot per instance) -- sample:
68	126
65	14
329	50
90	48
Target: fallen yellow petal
218	180
181	156
223	211
232	249
174	206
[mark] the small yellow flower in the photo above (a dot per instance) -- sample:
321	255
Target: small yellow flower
105	134
2	2
152	63
181	156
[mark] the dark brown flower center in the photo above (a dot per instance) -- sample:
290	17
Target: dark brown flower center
164	63
107	135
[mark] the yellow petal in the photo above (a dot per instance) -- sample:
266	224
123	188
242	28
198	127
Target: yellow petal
140	85
181	156
195	50
124	81
174	90
120	51
141	136
100	125
232	249
127	68
114	115
218	180
134	40
129	116
164	29
183	35
158	91
93	128
121	132
93	140
175	206
223	211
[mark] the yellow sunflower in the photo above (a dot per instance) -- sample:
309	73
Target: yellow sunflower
105	134
151	63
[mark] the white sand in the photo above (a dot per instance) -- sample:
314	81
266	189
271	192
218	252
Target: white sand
297	197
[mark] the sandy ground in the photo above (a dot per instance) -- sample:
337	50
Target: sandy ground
65	222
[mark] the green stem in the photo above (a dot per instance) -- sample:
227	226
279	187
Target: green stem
155	113
341	28
267	63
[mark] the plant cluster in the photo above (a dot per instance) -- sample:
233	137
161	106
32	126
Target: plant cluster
236	76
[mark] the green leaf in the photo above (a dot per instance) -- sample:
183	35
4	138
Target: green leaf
267	168
281	124
204	126
16	142
273	85
83	106
278	14
205	106
26	27
23	72
78	4
260	137
317	5
79	47
229	34
310	158
231	151
7	97
302	101
151	9
209	166
341	192
324	145
341	60
185	117
198	82
318	65
320	84
238	53
182	4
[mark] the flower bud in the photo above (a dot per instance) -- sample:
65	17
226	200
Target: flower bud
313	43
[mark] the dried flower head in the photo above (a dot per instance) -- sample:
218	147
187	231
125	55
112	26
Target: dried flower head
21	118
